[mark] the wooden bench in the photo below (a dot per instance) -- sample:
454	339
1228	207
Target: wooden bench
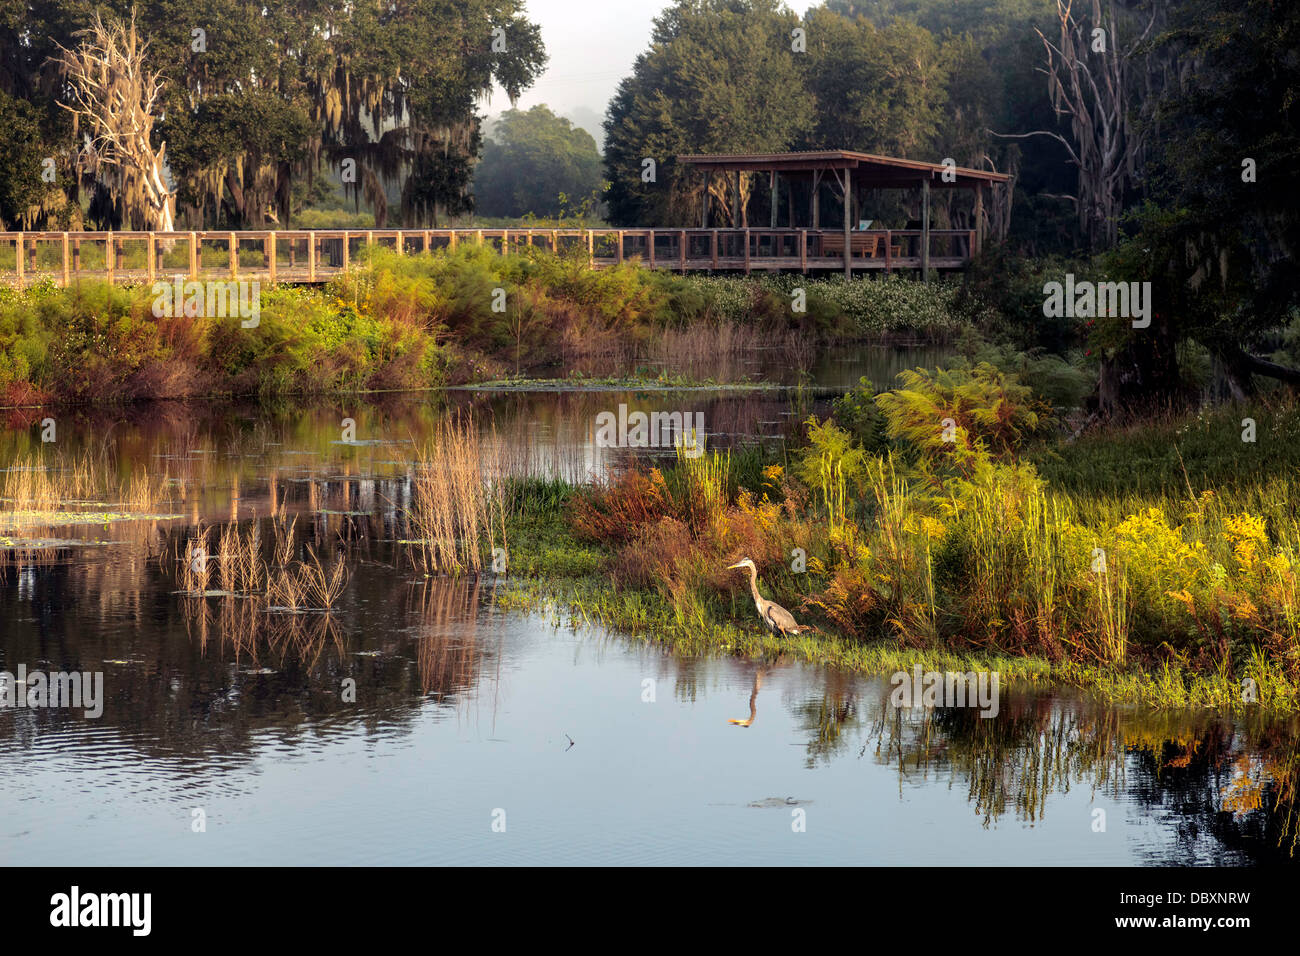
864	245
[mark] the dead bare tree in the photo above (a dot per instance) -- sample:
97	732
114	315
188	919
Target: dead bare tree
114	95
1090	79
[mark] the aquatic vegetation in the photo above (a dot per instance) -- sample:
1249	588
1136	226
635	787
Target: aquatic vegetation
96	342
279	573
51	484
458	500
962	545
244	627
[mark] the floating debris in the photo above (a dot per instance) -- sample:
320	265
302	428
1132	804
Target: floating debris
770	802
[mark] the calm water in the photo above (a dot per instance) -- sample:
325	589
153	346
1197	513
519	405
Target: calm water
592	747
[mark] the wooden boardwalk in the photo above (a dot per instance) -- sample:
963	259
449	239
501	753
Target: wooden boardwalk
318	255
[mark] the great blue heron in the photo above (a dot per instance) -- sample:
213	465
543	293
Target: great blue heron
778	619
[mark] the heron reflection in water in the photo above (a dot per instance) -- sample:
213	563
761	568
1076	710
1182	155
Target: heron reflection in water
753	700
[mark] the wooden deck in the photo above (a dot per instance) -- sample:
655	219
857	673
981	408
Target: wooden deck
318	255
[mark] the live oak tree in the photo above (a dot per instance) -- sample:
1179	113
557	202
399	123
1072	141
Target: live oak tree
30	174
256	96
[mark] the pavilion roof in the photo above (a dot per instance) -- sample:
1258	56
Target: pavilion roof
867	168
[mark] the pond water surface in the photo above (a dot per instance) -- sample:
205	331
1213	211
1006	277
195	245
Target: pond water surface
481	734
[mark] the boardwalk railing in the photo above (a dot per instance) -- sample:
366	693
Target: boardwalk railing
318	255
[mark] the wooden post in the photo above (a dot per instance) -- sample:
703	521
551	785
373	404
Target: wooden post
480	237
803	251
427	242
67	263
591	249
20	257
650	242
194	255
816	195
746	252
925	229
889	244
370	239
848	212
681	241
270	245
232	247
311	257
293	253
555	241
108	260
773	188
347	253
713	247
620	245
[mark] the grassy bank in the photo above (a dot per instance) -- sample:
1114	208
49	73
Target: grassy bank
552	568
906	540
448	317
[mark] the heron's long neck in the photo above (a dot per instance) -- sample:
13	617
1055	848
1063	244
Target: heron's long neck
753	586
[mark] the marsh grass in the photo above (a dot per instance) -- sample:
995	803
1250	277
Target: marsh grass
459	496
52	483
271	573
1185	595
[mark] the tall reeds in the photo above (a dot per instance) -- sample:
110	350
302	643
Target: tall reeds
62	482
272	573
458	499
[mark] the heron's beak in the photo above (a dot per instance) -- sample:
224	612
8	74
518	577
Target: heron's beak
736	565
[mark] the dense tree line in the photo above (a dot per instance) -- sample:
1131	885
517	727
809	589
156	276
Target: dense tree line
924	82
256	96
1151	140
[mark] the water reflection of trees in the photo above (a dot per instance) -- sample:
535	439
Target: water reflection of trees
187	677
1226	788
